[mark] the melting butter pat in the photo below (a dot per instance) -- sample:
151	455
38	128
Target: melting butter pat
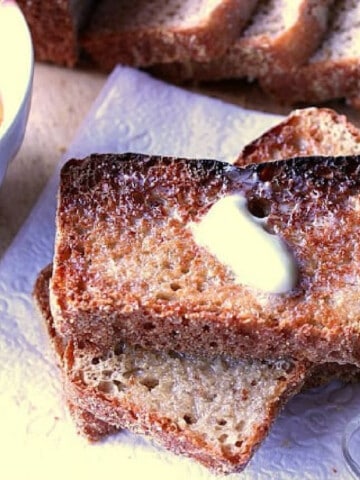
239	241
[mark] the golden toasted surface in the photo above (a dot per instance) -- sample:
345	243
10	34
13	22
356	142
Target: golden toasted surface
126	263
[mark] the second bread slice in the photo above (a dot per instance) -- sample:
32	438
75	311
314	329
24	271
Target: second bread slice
216	411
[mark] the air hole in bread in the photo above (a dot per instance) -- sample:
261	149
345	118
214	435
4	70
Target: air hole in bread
259	207
223	437
189	419
206	328
213	344
175	286
149	383
119	385
222	422
238	443
95	361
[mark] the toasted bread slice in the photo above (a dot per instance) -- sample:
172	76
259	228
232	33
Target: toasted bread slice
279	36
216	410
141	33
127	265
307	131
334	69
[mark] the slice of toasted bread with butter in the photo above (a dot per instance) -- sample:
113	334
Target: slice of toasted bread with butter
214	410
129	266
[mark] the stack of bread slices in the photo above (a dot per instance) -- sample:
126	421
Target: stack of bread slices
298	50
155	333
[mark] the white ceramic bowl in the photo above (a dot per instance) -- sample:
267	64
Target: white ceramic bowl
16	73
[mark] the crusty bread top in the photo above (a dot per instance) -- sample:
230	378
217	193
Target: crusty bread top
126	263
307	131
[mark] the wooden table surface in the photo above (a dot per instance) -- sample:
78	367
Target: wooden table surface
61	98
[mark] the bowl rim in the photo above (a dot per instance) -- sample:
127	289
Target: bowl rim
17	67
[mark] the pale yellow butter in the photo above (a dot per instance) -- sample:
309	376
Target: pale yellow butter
239	241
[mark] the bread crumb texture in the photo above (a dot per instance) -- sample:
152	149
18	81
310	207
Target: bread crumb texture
223	401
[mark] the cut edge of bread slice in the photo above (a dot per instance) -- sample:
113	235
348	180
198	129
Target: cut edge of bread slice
333	71
118	391
261	50
126	32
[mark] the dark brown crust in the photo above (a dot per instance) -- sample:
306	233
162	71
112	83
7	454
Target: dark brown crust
53	30
107	43
305	323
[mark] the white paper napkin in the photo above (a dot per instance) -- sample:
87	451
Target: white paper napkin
37	439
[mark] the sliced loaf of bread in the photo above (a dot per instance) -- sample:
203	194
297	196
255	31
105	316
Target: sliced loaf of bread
55	28
141	33
280	35
334	69
127	264
214	410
